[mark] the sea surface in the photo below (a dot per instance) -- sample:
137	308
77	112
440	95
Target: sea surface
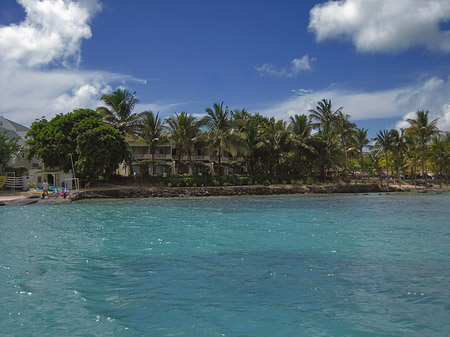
299	265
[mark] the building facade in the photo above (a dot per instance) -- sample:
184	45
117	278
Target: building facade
166	161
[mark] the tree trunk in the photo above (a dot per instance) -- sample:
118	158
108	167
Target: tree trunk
387	170
220	157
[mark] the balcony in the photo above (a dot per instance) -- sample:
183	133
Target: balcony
163	156
141	156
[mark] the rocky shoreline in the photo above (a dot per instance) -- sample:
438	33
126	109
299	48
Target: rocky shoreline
125	191
174	192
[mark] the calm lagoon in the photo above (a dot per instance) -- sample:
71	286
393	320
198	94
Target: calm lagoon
306	265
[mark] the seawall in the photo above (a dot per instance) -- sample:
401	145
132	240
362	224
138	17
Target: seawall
171	192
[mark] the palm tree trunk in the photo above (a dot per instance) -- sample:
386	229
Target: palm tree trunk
387	169
220	157
424	161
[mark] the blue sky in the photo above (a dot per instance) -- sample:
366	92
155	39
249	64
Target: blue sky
381	60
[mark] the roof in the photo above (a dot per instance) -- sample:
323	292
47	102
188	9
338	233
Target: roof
9	133
18	126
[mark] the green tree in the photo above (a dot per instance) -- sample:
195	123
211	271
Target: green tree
423	130
276	142
384	142
8	148
222	135
151	131
183	131
398	150
323	115
328	152
118	110
440	157
360	141
99	147
96	147
345	129
300	128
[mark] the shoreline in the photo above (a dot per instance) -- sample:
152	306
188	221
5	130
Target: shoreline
134	192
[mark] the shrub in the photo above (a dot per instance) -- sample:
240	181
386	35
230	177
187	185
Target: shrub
309	181
245	181
266	182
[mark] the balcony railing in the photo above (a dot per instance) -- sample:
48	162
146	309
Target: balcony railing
200	157
163	156
227	159
141	155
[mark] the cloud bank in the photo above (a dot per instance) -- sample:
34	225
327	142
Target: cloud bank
297	66
401	103
384	25
39	59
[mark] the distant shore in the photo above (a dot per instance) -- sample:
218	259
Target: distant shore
110	191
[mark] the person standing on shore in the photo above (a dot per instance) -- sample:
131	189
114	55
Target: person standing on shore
44	189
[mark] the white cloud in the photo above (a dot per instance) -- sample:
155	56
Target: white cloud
27	94
401	103
297	66
383	25
32	82
301	92
52	31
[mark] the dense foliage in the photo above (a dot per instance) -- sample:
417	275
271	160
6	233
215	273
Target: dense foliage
324	144
321	145
8	147
97	148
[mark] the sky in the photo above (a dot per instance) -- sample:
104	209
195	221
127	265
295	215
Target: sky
381	60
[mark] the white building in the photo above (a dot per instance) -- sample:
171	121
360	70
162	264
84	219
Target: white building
36	172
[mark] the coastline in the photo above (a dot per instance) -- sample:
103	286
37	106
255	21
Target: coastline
177	192
132	192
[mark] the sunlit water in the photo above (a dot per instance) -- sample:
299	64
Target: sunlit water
333	265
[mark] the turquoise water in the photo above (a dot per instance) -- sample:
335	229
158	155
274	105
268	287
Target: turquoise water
332	265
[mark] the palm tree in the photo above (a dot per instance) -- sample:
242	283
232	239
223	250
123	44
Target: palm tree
384	143
412	155
360	141
300	128
398	150
328	152
324	115
118	110
345	129
421	128
240	119
222	135
440	157
151	130
183	131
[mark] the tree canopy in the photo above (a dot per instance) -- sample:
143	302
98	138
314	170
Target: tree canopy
97	148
